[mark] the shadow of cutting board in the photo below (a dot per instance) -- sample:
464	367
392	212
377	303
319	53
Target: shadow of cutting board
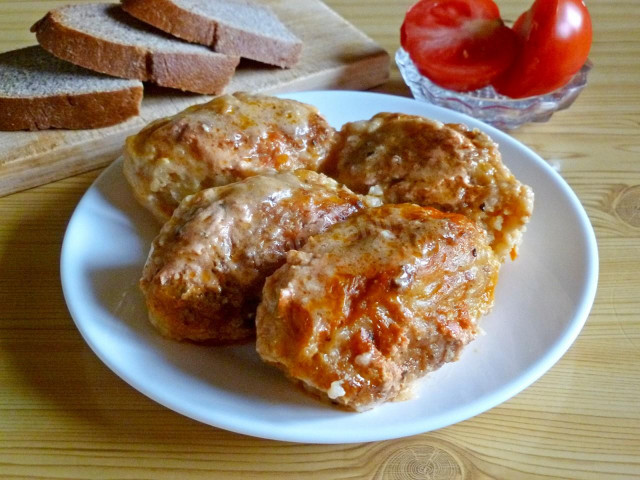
336	56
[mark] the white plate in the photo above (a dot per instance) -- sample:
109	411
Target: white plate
542	302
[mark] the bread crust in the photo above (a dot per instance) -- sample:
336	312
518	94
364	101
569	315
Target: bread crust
190	26
79	48
194	73
75	112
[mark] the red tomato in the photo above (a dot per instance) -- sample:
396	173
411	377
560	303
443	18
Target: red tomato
555	37
459	44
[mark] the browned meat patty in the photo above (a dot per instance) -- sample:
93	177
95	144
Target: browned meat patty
405	158
205	272
228	139
376	301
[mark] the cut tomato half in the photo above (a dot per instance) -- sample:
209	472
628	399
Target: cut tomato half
458	44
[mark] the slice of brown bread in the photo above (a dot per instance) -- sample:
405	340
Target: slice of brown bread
234	27
106	39
39	91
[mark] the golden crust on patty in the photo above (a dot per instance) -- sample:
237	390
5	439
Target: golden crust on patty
405	158
206	268
225	140
376	301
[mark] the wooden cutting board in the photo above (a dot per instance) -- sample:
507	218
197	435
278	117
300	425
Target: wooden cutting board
336	56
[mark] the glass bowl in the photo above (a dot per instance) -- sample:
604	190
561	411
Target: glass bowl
486	104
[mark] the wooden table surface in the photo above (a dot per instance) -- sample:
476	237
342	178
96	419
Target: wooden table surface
64	414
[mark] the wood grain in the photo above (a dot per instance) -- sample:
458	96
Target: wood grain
336	55
63	414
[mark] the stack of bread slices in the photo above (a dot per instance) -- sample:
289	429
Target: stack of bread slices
87	70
